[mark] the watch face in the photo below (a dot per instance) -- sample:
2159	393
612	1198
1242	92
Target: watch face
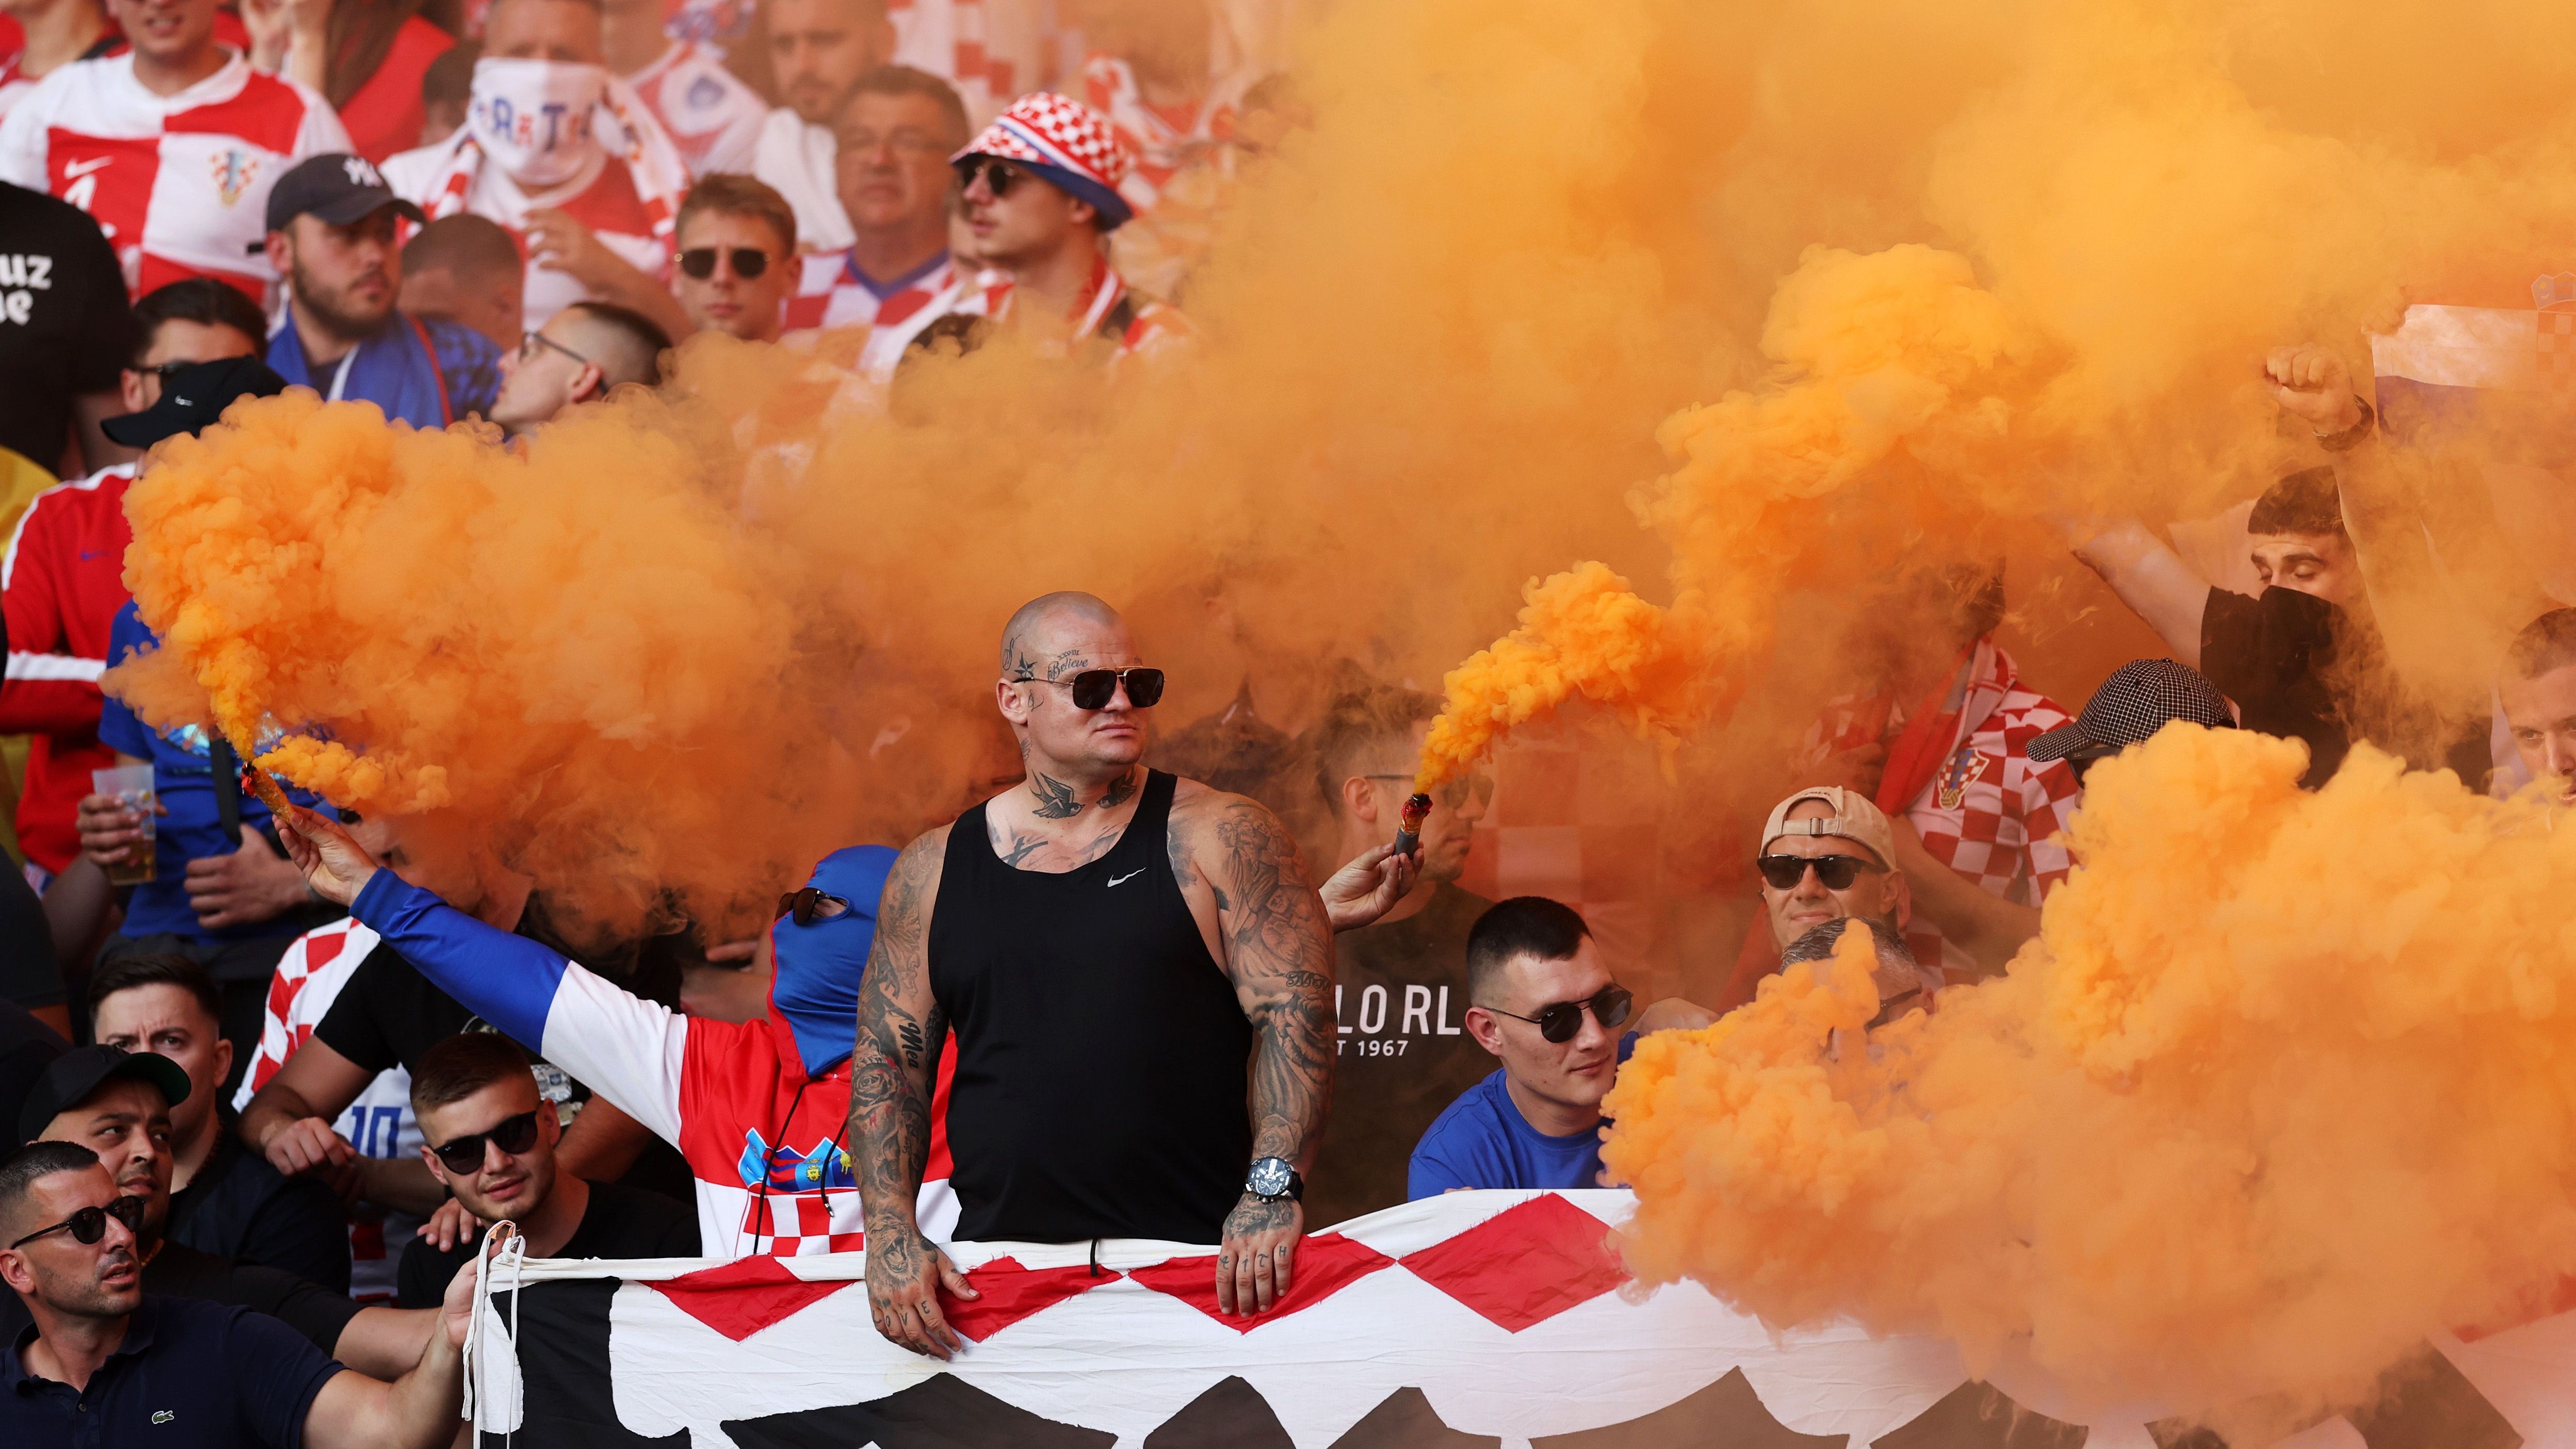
1269	1177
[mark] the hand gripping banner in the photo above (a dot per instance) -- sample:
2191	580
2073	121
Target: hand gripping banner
1490	1319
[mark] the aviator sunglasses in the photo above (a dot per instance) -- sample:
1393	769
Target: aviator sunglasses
90	1223
1837	872
1560	1021
1093	688
513	1135
748	262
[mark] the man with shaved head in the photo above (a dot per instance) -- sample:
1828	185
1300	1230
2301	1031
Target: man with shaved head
580	354
1113	948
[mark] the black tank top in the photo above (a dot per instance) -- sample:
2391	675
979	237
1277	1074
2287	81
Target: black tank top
1101	1054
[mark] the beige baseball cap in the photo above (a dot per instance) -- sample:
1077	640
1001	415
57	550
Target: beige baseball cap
1854	817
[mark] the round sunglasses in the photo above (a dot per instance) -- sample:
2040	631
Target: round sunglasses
89	1224
513	1135
1837	872
748	262
1093	688
1559	1021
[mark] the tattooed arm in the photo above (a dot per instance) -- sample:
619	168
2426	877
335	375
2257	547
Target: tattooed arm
1278	951
900	1032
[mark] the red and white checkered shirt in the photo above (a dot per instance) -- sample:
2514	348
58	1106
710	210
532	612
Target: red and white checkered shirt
178	183
712	117
1988	812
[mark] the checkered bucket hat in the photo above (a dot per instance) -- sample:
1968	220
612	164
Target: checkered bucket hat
1068	143
2140	698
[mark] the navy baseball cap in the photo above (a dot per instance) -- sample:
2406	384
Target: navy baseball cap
337	187
83	1070
192	396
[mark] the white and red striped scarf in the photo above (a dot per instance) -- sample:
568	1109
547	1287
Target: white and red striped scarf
628	133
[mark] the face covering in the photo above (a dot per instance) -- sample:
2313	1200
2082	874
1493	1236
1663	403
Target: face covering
533	117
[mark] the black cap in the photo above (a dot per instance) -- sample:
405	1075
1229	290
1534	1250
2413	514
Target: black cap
2140	698
192	397
335	186
78	1072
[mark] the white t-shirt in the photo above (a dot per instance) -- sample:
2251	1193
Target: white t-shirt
798	160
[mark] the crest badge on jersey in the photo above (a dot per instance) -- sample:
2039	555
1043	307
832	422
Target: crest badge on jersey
234	169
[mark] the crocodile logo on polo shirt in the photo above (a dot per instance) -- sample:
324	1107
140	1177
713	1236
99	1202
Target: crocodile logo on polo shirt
164	1416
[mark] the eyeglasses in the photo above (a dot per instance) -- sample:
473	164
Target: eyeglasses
748	262
1453	793
162	370
1837	872
513	1135
1560	1021
529	342
999	176
901	138
90	1223
808	905
1093	688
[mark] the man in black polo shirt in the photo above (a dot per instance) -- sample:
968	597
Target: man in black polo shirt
117	1104
108	1365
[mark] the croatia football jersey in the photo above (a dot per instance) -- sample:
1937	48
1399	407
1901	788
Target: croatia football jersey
179	184
834	293
712	117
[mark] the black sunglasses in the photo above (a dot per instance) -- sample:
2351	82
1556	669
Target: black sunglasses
748	262
1562	1020
807	905
513	1135
1783	872
1093	688
999	176
90	1223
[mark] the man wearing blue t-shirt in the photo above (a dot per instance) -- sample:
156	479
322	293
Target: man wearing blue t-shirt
1546	1005
222	893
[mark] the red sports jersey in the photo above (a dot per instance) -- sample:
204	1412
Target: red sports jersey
178	183
386	114
61	583
712	117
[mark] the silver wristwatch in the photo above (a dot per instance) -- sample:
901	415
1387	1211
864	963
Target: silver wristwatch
1273	1180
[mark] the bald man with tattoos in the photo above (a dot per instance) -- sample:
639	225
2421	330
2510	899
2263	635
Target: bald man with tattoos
1124	957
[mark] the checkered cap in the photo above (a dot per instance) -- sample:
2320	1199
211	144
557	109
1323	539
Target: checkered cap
2140	698
1064	139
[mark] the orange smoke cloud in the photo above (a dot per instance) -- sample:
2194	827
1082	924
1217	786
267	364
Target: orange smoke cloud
2262	1106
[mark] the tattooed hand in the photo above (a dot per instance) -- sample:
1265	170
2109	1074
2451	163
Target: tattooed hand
904	1276
1254	1268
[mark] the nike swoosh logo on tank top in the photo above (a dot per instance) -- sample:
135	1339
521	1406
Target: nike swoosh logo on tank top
1123	879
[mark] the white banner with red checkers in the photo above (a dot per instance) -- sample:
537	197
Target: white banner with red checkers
1490	1318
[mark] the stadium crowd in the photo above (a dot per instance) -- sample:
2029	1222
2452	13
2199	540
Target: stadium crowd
303	1086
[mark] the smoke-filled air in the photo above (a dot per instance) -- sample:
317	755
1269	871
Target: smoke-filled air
1710	338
